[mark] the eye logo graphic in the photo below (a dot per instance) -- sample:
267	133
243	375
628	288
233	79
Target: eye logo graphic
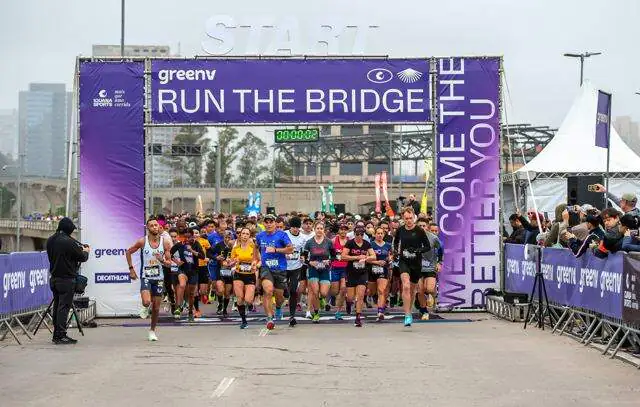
409	75
102	94
379	75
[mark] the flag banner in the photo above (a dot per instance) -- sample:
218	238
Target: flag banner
377	187
323	206
249	206
387	205
332	208
257	202
603	119
423	203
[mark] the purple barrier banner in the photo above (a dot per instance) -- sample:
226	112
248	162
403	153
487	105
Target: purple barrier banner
25	282
631	293
275	91
585	282
112	187
468	175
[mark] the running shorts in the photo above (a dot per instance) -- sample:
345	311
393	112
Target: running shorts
277	278
414	269
156	287
246	278
337	274
203	275
315	275
356	278
192	276
303	273
377	272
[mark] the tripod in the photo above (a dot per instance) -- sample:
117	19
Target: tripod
74	314
538	282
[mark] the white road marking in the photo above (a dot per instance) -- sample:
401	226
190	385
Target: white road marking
222	387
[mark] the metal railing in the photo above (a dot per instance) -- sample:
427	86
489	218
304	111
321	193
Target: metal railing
46	225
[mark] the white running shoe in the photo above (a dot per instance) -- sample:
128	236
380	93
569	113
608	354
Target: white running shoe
152	336
308	315
144	312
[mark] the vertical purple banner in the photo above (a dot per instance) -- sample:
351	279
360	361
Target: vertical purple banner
603	119
112	187
468	175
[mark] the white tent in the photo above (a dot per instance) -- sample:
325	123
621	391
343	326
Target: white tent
573	148
572	151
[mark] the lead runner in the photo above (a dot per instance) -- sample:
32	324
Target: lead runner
155	252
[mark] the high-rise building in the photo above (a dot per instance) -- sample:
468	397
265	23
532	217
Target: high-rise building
161	170
9	132
44	116
629	131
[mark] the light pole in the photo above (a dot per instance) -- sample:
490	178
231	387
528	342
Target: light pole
582	57
122	28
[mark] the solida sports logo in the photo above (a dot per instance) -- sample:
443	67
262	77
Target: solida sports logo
102	99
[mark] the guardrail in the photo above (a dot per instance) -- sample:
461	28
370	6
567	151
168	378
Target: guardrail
46	225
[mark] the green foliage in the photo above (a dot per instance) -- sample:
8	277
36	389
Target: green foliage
227	140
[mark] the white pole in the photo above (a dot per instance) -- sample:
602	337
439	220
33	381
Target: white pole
533	195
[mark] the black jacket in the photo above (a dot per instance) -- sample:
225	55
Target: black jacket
65	255
517	236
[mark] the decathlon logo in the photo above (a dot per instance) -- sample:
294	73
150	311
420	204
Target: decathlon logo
102	100
379	75
409	75
106	278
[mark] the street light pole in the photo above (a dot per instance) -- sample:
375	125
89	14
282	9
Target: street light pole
122	28
218	176
582	57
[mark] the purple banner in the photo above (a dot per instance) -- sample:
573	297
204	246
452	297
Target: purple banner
631	293
603	119
112	187
25	282
290	91
468	174
585	282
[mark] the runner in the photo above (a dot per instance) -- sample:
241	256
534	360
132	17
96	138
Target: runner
410	242
294	267
319	252
307	228
154	252
379	274
187	253
338	271
431	262
224	283
203	274
274	246
357	252
244	260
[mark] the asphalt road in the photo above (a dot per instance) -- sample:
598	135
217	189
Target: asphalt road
485	362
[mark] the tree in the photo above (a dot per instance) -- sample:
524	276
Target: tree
227	140
251	171
283	169
192	165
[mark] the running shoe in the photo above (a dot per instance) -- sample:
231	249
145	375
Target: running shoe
197	313
177	313
338	316
425	316
212	298
358	323
292	322
278	314
270	323
152	336
316	318
225	314
380	316
308	315
244	325
191	319
323	303
144	312
408	320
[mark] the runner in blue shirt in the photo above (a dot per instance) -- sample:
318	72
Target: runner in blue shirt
379	272
274	246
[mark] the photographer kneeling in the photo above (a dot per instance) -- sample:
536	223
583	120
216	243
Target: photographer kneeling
65	255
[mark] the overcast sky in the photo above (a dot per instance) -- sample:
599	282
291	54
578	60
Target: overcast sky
39	39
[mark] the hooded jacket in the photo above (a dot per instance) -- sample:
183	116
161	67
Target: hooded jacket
65	253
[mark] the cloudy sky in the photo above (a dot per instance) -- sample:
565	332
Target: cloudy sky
39	39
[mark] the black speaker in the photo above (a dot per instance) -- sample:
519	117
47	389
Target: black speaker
580	191
271	210
340	208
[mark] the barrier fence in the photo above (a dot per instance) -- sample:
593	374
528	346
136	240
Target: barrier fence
593	299
25	292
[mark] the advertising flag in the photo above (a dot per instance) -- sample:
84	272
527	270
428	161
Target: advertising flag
377	186
324	199
332	208
257	203
603	119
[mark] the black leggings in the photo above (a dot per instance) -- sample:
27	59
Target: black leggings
293	277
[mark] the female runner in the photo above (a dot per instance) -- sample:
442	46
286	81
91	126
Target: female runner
319	252
244	259
379	273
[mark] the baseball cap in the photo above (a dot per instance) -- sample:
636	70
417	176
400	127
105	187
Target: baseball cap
629	197
270	217
357	217
586	207
192	225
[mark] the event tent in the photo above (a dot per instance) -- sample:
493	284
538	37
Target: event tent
572	151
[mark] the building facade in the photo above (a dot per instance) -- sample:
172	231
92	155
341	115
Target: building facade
629	131
9	132
44	116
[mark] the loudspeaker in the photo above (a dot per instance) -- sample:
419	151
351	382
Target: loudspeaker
340	208
271	210
580	191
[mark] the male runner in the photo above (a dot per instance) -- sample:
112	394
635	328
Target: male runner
409	244
187	252
274	246
154	254
294	268
431	261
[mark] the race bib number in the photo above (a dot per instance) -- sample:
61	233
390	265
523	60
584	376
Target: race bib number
244	268
272	263
320	265
426	263
153	273
225	273
293	256
395	263
188	256
174	268
358	266
377	270
408	255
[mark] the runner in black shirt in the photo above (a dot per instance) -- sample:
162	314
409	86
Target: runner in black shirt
221	252
357	252
188	253
409	244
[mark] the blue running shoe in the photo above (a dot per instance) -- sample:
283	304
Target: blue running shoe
338	316
278	314
408	320
244	325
